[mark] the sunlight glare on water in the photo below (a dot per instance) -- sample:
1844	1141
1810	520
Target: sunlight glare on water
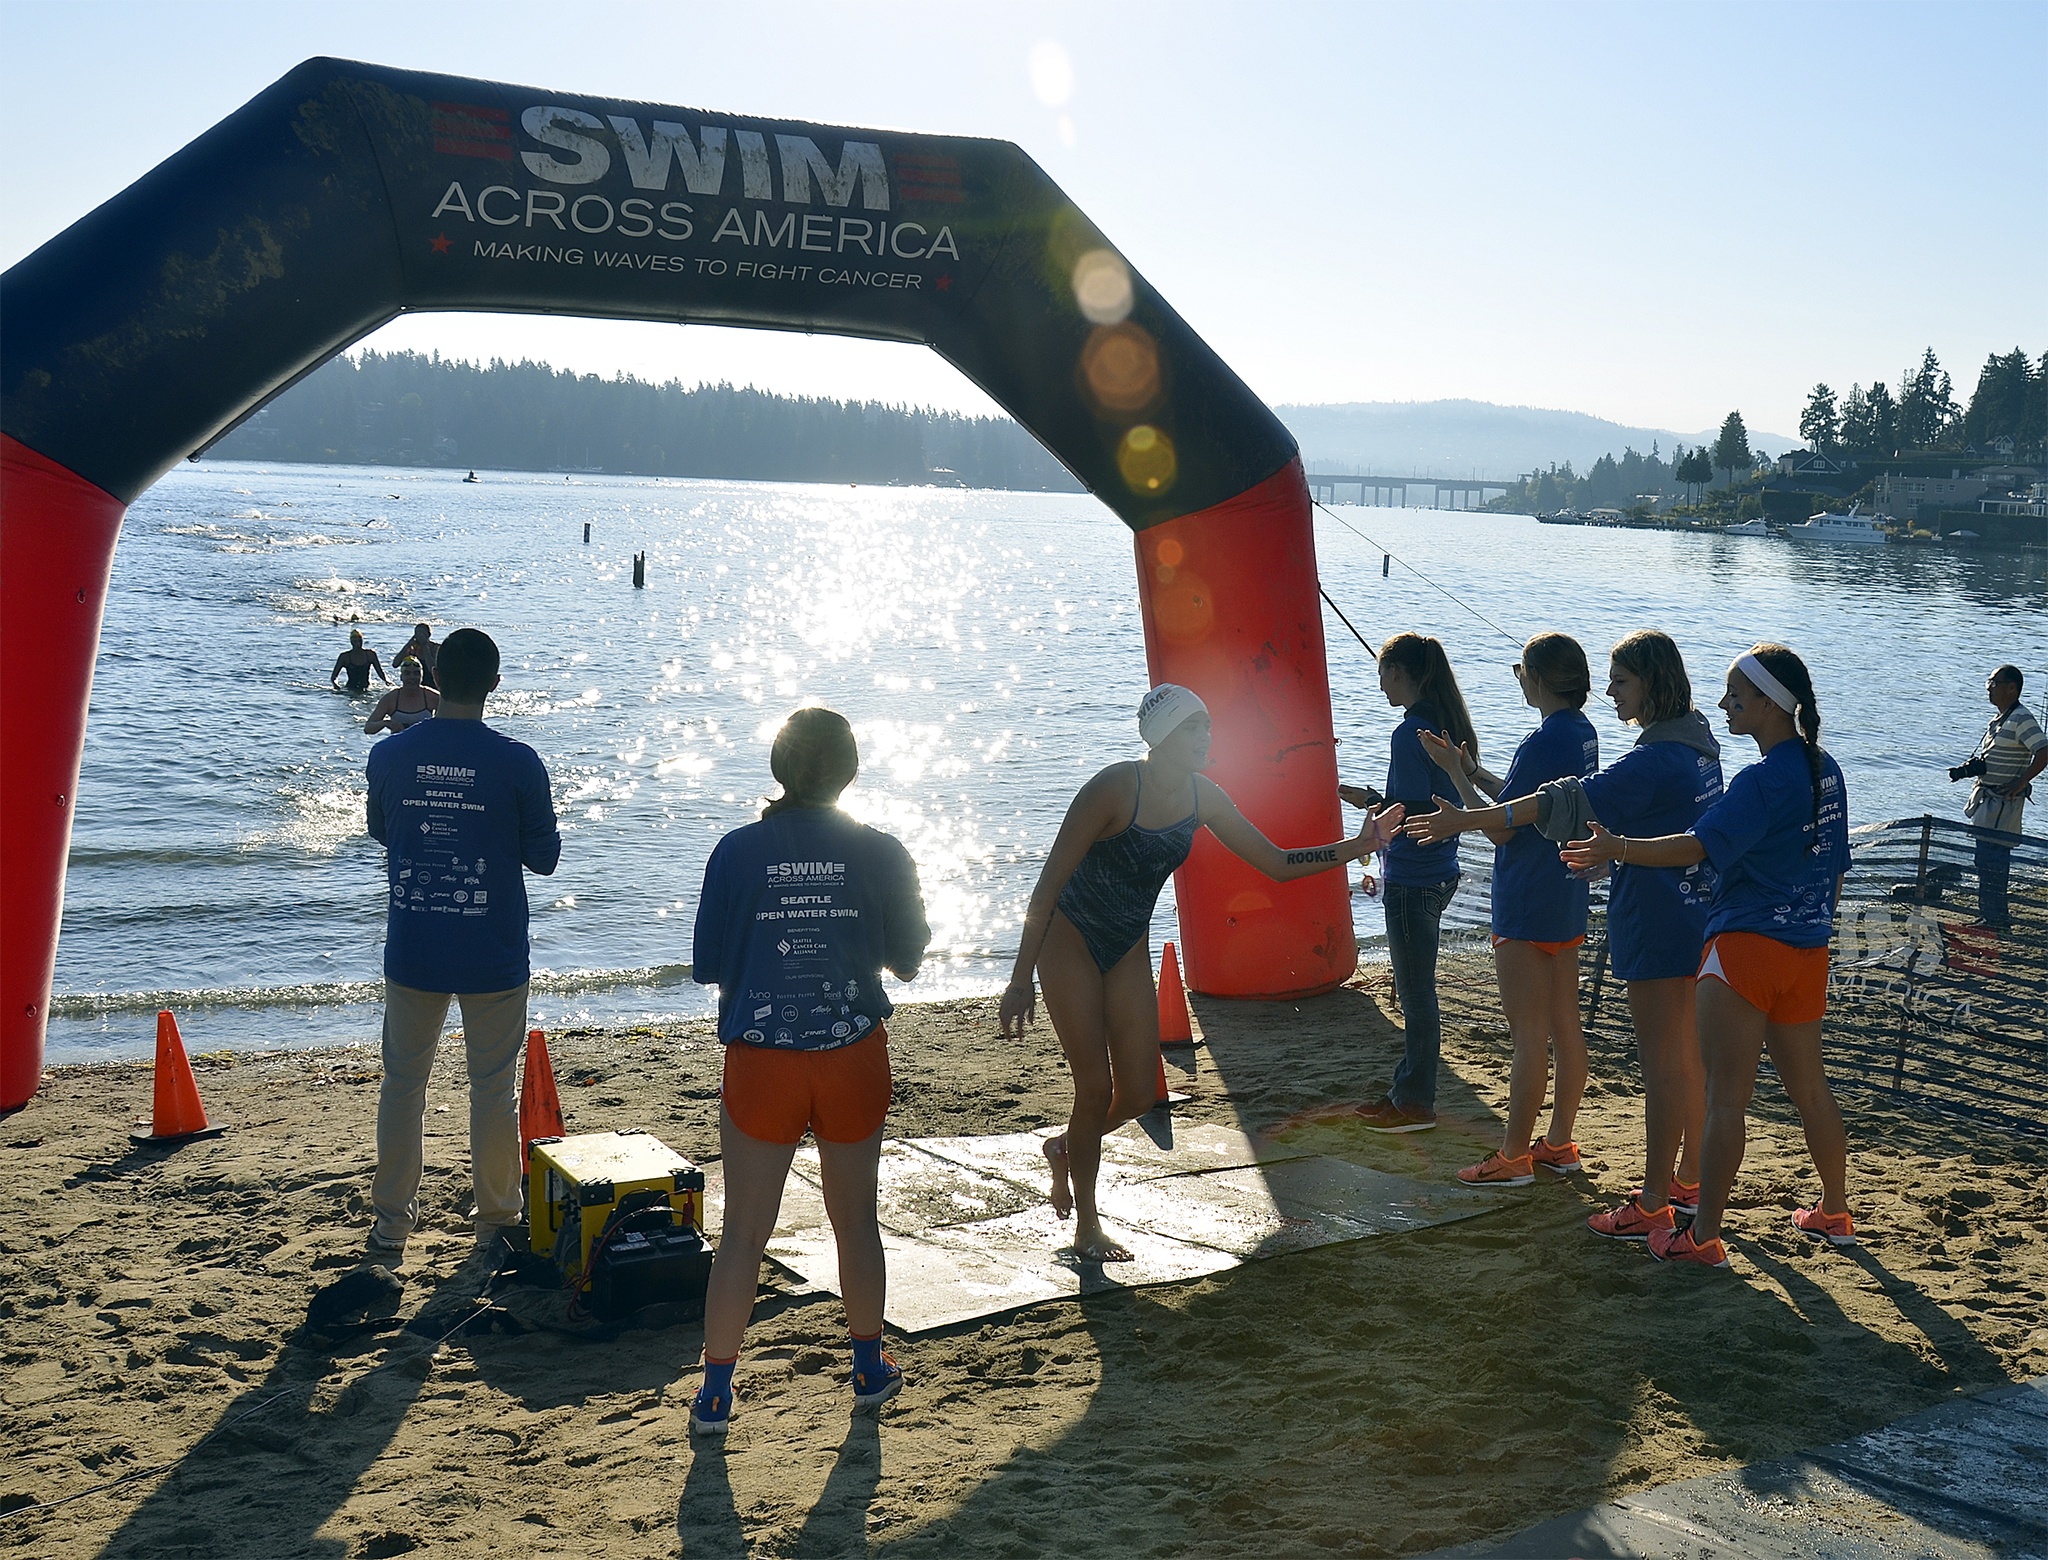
986	647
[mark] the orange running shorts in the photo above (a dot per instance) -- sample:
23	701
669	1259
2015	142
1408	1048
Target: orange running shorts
838	1096
1551	948
1787	985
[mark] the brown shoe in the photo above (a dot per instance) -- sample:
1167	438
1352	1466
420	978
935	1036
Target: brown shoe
1386	1116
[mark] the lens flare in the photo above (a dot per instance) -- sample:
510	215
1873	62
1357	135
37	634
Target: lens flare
1052	73
1120	365
1146	460
1183	607
1102	287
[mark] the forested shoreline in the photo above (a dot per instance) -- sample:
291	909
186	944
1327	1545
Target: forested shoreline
2006	418
403	409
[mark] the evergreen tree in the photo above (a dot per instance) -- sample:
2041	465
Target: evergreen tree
1695	469
1855	426
1884	420
1731	448
2035	425
1926	404
1998	406
1818	422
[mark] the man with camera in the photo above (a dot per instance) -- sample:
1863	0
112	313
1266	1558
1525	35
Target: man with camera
2013	752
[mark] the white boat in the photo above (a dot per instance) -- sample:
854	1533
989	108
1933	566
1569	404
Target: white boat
1747	528
1852	527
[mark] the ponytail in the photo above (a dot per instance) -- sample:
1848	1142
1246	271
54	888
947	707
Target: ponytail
1423	659
814	758
1784	664
1558	661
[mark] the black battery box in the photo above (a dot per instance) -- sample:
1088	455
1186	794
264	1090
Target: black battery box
651	1259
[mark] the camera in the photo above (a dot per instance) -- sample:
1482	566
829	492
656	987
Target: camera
1967	770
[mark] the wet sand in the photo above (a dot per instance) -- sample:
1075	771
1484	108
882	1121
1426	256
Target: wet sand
1383	1397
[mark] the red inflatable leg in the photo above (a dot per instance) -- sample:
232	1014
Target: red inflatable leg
1231	611
56	551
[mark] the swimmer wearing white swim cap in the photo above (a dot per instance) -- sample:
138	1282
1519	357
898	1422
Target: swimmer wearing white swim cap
1164	708
1085	933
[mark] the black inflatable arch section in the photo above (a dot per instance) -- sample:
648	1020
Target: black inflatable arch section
347	194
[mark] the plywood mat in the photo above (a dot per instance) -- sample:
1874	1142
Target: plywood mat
969	1233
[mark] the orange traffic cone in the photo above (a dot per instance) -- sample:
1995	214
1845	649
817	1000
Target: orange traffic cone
540	1107
178	1116
1175	1027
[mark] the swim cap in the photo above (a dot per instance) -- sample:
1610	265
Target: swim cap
1163	709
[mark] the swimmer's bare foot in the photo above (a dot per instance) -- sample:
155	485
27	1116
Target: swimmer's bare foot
1062	1194
1091	1245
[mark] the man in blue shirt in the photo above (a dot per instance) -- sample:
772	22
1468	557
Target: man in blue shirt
462	812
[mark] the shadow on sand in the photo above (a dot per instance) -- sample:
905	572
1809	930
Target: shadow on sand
1349	1398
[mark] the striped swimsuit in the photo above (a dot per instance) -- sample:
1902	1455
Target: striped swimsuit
1111	896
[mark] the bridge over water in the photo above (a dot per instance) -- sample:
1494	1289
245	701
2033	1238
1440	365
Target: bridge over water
1392	492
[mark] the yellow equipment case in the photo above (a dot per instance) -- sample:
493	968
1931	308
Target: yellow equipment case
622	1214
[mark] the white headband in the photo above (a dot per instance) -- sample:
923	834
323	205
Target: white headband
1163	709
1766	684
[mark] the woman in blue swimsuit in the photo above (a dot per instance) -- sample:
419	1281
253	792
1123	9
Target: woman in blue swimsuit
1085	933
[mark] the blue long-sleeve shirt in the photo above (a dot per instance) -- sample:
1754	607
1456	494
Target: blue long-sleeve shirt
463	813
800	915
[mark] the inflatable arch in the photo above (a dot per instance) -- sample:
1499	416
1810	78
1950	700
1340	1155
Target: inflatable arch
347	194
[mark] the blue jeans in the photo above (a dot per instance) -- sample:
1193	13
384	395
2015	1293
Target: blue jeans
1414	913
1994	878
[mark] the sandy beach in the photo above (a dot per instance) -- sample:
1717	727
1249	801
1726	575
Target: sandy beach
1383	1397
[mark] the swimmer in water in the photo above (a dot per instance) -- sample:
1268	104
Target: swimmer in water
358	660
422	646
406	705
1085	931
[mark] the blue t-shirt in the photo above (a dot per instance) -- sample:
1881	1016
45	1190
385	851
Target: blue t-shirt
1657	916
1413	779
1535	897
460	809
1761	838
799	916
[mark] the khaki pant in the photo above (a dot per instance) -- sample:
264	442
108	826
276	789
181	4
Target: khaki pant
493	1024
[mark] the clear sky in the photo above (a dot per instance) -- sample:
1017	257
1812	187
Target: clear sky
1651	212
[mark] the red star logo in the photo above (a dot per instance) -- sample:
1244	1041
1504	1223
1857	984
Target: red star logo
441	243
946	282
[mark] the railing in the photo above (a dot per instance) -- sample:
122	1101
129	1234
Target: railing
1926	1007
1948	1016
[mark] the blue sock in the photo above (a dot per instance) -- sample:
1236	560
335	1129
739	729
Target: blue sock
867	1355
718	1379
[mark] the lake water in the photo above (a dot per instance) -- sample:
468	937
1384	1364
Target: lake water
985	645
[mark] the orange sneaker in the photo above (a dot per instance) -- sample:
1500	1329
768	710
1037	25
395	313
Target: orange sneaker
1679	1246
1557	1160
1629	1222
1837	1229
1494	1170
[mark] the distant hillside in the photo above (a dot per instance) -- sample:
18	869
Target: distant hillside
1466	438
402	409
